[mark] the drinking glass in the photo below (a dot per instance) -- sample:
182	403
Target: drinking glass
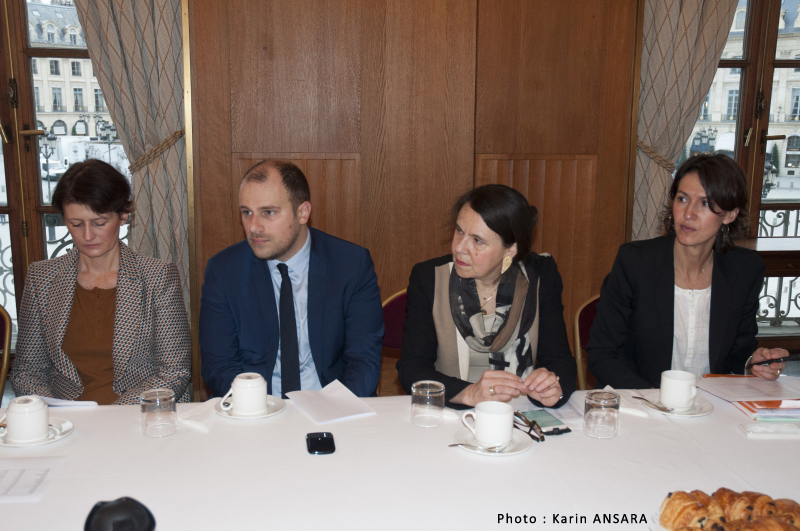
159	417
601	414
427	403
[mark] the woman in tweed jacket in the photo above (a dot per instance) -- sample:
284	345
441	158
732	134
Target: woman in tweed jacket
151	346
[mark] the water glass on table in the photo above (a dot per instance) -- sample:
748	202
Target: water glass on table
159	415
601	414
427	403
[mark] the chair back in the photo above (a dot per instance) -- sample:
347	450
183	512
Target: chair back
5	338
394	317
584	317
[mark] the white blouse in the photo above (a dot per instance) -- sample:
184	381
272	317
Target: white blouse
690	339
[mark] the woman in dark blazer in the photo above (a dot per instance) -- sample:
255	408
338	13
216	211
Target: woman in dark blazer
487	320
100	323
687	300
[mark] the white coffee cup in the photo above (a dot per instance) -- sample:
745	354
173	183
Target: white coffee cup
493	423
249	395
678	389
26	420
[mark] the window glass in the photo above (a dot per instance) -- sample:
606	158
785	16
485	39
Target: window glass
715	129
77	129
781	183
7	292
54	24
735	44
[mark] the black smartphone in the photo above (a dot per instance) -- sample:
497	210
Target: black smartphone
320	443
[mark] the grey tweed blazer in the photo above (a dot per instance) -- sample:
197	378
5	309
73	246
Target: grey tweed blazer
151	346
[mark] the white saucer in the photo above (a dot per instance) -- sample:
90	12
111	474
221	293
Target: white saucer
700	408
59	428
275	405
520	441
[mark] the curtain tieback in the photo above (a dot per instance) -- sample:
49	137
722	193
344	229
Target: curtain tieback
654	155
162	146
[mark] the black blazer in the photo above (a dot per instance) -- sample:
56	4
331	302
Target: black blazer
418	358
631	339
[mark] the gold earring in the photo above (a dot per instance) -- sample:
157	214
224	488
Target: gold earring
506	264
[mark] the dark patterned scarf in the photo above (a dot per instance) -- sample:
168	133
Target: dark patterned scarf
515	304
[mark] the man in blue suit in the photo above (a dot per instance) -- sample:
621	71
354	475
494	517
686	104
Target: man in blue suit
292	303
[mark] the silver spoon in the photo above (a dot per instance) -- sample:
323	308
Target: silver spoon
494	449
660	408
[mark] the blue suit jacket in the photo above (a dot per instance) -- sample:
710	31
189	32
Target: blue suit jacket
239	328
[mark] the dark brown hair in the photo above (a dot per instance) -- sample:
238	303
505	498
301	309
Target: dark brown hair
293	178
95	184
505	211
726	189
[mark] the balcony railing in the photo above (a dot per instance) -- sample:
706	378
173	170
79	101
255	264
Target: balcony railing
39	108
100	108
59	108
779	304
779	224
81	108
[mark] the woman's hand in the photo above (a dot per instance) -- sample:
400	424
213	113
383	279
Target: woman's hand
501	386
543	387
773	370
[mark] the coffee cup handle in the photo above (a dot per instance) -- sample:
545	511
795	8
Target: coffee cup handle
694	392
464	420
226	405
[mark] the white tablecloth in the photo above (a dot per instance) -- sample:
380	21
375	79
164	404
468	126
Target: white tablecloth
389	474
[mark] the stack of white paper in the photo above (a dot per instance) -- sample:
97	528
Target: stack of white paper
334	402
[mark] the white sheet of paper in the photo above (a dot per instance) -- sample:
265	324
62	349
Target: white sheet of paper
57	402
332	403
26	479
737	389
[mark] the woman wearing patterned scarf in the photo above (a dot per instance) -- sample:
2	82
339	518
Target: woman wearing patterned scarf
487	321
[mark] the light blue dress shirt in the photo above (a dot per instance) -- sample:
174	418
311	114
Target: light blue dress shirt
298	274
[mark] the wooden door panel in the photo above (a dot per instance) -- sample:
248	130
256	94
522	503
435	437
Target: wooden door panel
562	187
417	140
295	75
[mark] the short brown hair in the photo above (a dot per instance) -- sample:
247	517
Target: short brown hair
95	184
293	178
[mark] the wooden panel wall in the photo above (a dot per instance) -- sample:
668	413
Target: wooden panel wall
296	86
417	133
557	78
393	108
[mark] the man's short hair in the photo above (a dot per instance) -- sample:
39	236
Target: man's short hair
293	178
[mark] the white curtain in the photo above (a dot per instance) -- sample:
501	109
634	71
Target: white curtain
136	51
682	44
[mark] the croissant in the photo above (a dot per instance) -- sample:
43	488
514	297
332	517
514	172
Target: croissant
715	511
762	504
728	499
679	510
788	511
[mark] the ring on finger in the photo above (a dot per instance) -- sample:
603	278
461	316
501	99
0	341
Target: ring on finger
778	372
491	391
